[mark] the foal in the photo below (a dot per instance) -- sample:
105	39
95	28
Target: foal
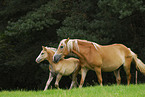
63	67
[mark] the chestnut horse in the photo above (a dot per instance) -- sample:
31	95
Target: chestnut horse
63	67
99	58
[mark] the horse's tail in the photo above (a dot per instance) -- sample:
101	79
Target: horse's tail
139	64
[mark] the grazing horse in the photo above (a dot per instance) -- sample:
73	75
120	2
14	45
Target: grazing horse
63	67
99	58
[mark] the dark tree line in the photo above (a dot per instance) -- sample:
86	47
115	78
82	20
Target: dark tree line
26	25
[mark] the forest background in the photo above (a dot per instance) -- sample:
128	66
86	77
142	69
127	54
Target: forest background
26	25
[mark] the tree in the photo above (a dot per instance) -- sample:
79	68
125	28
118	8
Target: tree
102	21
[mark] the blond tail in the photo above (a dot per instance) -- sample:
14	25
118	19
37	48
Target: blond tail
139	64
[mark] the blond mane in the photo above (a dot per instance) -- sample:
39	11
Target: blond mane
51	48
70	45
97	46
75	41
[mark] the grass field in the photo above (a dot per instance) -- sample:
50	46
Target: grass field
93	91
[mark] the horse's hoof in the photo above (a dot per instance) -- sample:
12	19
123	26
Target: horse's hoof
80	86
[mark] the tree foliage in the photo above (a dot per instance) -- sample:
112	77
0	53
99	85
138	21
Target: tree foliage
33	21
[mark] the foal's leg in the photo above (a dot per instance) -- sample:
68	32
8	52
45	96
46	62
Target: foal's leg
74	77
73	83
49	81
117	75
58	77
127	69
99	75
83	73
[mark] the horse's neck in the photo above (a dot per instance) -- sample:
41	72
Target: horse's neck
50	57
78	54
76	51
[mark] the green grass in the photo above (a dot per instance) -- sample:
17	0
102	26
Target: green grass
94	91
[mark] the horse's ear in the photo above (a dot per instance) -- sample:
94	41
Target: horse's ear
43	48
67	40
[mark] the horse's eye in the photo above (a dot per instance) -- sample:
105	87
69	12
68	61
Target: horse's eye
42	53
61	47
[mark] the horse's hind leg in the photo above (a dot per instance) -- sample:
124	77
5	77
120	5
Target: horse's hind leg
117	75
58	77
73	83
74	77
127	68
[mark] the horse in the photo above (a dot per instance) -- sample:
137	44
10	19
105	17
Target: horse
100	58
64	67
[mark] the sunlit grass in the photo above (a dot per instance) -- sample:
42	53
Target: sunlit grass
93	91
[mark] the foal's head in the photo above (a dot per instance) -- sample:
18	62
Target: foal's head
62	50
42	56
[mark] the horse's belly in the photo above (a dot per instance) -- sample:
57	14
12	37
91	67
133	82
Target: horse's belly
66	70
110	68
112	65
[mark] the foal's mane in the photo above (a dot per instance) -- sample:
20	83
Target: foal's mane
51	48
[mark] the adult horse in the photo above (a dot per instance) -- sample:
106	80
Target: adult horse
64	67
100	58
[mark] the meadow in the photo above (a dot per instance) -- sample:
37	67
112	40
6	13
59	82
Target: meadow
91	91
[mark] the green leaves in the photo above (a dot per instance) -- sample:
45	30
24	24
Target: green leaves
122	8
33	21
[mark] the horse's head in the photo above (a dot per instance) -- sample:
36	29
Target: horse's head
42	56
62	50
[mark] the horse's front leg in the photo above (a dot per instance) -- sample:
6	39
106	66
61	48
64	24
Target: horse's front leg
49	81
99	75
58	77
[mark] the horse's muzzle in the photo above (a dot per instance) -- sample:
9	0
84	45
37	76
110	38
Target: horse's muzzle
56	58
38	60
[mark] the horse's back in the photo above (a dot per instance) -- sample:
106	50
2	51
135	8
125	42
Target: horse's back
116	49
71	60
